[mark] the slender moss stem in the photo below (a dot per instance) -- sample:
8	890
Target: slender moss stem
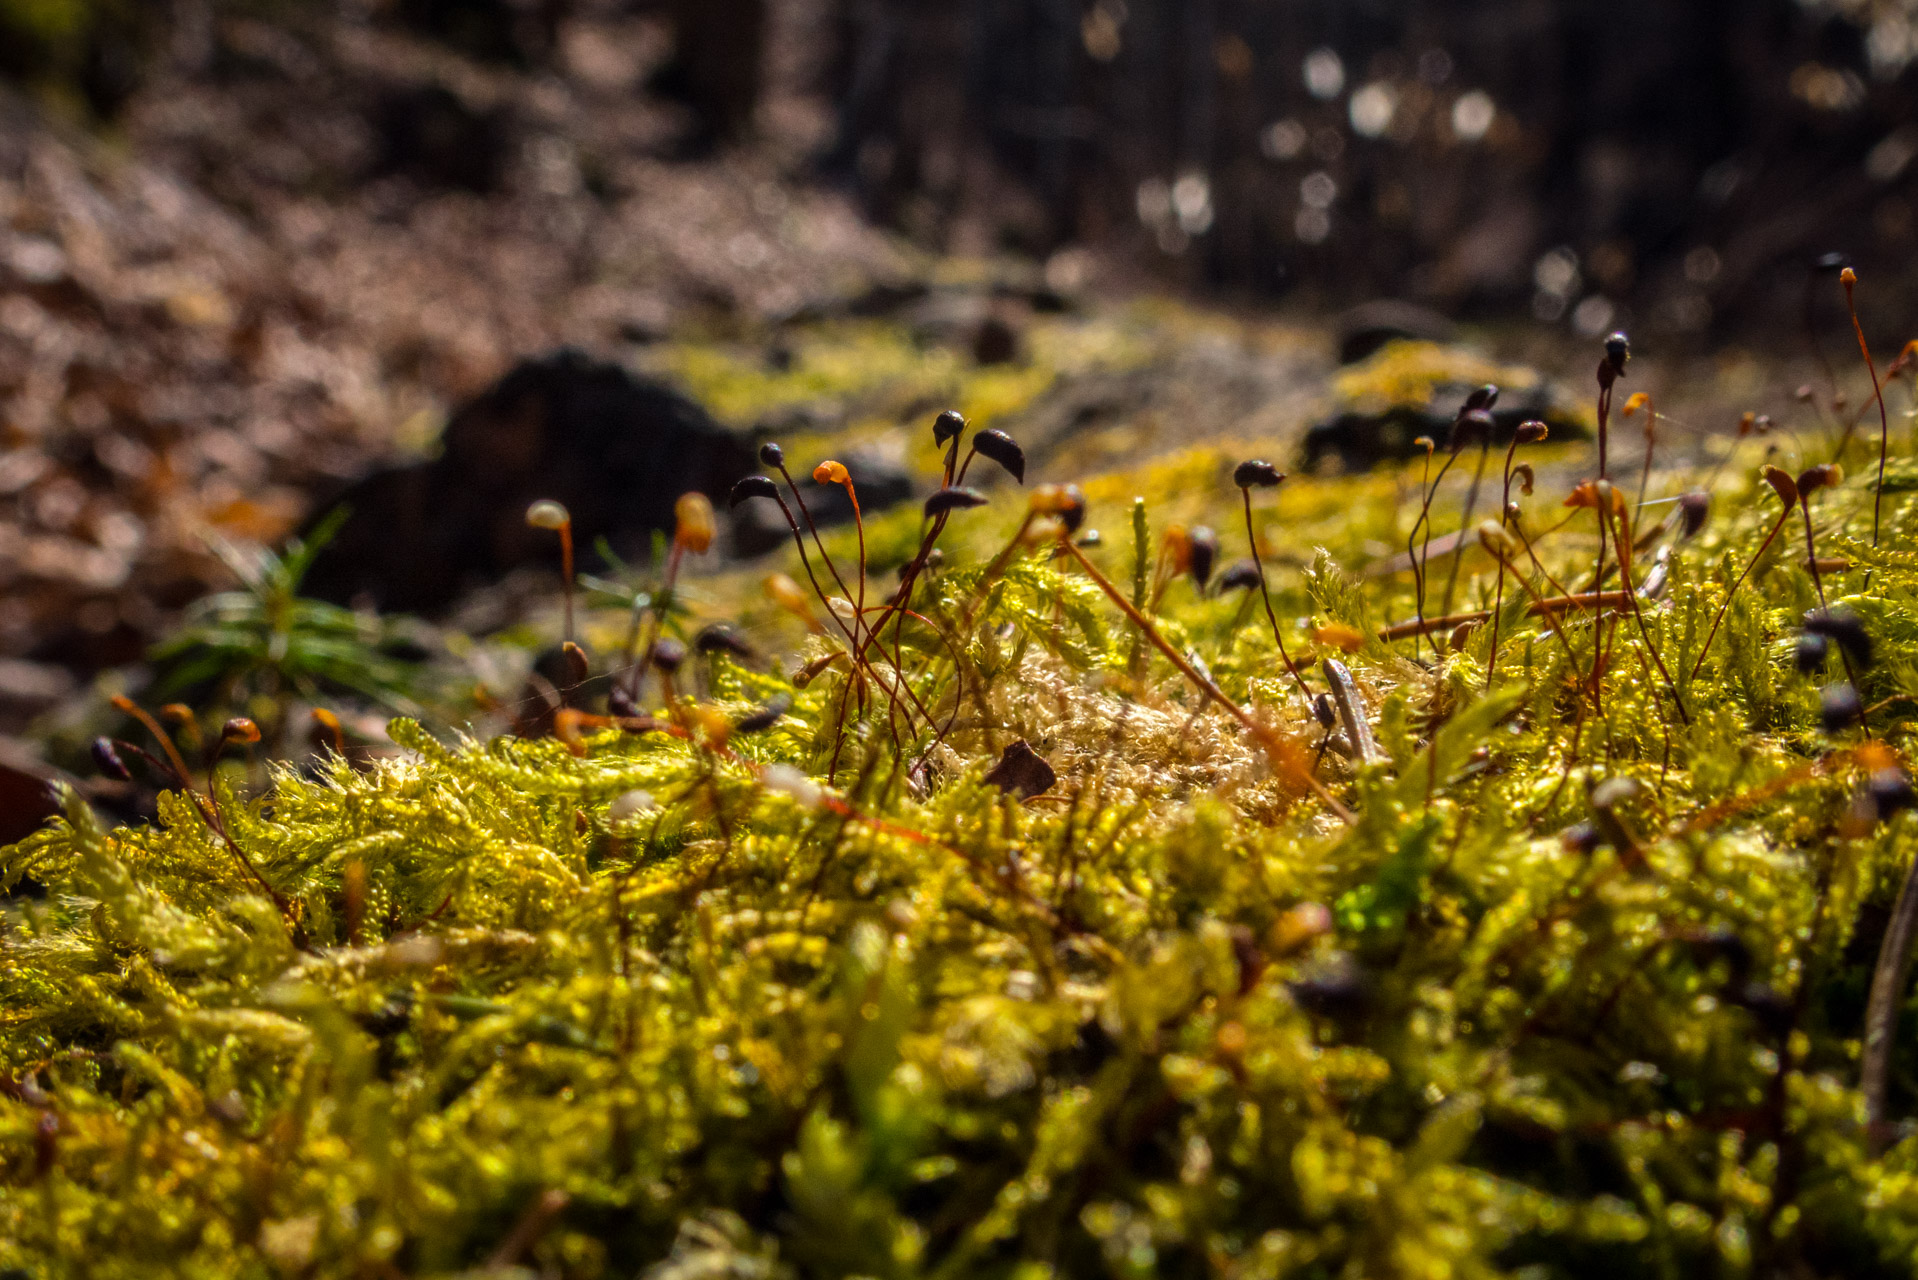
1849	278
1465	523
1625	577
1712	632
1259	564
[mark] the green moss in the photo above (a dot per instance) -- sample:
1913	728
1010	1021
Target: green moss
824	1002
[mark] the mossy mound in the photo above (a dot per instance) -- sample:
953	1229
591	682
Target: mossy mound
1570	980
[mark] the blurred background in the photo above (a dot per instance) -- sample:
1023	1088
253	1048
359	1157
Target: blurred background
1673	162
434	256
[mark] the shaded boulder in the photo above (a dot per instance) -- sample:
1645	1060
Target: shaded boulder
615	448
1408	389
27	795
1364	329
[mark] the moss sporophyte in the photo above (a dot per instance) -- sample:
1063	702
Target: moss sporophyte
1008	921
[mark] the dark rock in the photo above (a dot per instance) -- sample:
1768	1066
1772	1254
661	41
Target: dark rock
26	794
616	449
1360	440
1380	423
1363	329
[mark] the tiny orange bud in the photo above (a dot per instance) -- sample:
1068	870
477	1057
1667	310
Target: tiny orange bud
1052	500
1299	926
713	724
830	472
1178	543
1065	501
1492	536
1637	401
696	527
240	729
1045	529
327	730
785	593
567	722
1339	636
1848	276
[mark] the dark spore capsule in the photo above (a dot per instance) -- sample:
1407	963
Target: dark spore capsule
1580	837
1840	708
1203	547
1693	510
752	487
1810	653
107	758
766	717
720	638
1004	450
1072	508
1847	630
668	654
1890	790
1256	472
953	500
1241	575
1473	427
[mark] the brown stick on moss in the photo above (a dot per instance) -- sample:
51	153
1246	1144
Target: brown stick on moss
1881	1010
1541	605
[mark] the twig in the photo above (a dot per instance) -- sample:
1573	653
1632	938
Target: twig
1881	1010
